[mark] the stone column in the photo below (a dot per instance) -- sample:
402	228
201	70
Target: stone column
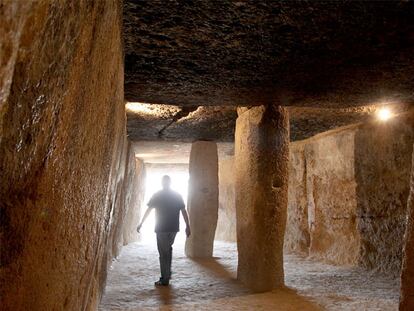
202	199
261	161
407	274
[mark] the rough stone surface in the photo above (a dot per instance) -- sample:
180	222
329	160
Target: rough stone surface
306	122
261	186
345	235
297	238
382	173
172	152
134	185
356	190
62	150
187	124
300	53
407	275
114	235
226	224
331	198
202	201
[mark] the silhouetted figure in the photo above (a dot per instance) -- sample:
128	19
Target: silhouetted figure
167	205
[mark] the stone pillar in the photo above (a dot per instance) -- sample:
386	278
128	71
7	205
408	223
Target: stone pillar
261	186
202	199
407	274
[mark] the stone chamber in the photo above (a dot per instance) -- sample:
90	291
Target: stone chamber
294	121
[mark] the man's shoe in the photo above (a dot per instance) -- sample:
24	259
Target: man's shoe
161	282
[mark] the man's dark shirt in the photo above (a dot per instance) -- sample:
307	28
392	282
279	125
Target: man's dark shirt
167	205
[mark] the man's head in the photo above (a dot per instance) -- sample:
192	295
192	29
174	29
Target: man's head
166	182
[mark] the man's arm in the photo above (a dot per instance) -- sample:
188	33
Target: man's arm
187	222
147	212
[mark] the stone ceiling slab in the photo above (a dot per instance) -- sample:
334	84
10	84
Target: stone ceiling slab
333	54
173	123
164	152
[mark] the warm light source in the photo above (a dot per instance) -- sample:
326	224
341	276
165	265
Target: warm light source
384	114
150	110
139	107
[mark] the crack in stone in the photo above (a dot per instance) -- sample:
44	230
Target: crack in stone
184	112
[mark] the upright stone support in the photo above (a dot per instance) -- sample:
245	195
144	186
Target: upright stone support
261	161
407	274
202	199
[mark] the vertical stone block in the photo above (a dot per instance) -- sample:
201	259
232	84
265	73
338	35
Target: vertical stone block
62	150
261	161
407	274
202	198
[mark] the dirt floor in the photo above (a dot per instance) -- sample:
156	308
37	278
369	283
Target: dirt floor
211	285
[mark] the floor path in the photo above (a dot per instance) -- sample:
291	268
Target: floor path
211	284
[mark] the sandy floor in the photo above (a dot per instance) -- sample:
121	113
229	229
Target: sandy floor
211	285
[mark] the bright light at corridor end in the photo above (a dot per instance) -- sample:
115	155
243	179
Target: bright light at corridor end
384	114
138	107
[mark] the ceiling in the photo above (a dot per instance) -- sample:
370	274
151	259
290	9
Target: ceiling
162	153
172	123
332	63
297	53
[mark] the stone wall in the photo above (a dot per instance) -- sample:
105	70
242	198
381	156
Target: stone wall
226	225
330	191
297	238
348	191
322	198
129	196
135	183
407	271
62	150
356	189
382	173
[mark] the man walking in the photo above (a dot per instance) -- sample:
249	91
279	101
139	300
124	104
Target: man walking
167	205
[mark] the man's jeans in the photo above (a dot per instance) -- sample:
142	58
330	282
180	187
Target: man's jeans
165	240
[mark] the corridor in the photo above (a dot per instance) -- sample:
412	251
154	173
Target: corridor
287	126
210	284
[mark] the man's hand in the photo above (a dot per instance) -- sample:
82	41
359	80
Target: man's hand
143	218
187	222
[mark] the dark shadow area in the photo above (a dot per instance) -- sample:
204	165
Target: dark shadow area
215	267
165	294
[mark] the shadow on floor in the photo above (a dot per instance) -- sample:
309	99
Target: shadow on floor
197	284
215	267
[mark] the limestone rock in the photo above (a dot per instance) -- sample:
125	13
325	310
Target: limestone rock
407	275
382	172
226	224
304	53
202	199
355	191
62	150
297	238
135	183
331	198
261	162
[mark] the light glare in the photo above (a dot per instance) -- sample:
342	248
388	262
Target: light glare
384	114
138	107
179	183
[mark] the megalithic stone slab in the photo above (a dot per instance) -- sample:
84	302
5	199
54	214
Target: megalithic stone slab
202	199
261	187
407	274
